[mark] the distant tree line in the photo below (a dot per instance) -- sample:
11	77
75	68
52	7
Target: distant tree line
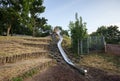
23	17
111	34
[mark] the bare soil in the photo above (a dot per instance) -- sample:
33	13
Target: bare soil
57	73
66	73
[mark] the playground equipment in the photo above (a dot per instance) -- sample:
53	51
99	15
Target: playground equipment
65	57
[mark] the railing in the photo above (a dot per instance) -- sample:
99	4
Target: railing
67	60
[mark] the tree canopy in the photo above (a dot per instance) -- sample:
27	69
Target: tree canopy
21	14
111	34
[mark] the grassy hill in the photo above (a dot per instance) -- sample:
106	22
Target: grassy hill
23	56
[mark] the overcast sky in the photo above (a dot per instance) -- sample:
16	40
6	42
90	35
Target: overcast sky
95	12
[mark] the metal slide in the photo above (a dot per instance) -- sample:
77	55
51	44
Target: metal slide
65	57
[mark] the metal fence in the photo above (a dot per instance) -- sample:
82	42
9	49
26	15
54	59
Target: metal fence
92	43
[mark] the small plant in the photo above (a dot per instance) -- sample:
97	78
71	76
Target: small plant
25	75
17	79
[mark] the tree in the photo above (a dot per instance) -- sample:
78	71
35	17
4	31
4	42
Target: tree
22	11
9	13
111	34
45	31
78	32
14	11
35	10
63	32
40	22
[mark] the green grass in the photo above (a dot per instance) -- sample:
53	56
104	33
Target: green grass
25	75
17	79
112	58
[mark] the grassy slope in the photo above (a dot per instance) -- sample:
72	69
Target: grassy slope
105	62
13	45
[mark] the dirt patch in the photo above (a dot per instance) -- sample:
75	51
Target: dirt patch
66	73
96	74
58	73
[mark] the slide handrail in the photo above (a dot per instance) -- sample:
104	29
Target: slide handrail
65	57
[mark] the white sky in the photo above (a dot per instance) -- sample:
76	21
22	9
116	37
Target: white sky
95	12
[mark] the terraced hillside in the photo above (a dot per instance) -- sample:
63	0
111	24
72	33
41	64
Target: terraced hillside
19	55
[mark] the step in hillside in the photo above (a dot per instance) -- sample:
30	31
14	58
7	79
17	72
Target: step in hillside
8	71
38	45
19	55
15	58
43	39
13	50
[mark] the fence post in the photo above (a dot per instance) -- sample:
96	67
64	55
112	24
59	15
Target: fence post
78	47
88	45
81	47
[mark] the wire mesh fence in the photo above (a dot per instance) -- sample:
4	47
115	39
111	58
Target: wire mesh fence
92	43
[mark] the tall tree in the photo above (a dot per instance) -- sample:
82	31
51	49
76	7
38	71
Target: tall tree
24	11
78	32
9	10
15	11
35	10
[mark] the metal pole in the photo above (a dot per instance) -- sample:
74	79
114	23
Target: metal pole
78	47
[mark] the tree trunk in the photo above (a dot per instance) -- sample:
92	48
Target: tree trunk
34	28
33	31
8	30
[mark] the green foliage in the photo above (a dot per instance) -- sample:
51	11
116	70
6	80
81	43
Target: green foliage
35	10
16	14
43	31
17	79
9	13
111	34
63	32
78	31
25	75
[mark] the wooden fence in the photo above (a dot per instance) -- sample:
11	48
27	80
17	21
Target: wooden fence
113	49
